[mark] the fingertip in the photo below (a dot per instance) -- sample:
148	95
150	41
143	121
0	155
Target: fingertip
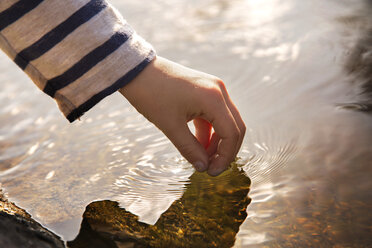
215	172
199	159
200	166
187	144
218	165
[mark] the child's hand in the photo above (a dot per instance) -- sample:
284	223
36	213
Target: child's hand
170	95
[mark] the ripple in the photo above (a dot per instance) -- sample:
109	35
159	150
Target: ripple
281	63
361	107
268	153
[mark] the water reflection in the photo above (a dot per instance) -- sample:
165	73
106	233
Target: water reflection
358	106
292	67
359	66
208	214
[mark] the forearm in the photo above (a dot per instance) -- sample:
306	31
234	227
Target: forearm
77	51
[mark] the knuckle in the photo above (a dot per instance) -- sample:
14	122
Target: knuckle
213	94
219	83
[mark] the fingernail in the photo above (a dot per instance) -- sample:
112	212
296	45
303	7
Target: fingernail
200	166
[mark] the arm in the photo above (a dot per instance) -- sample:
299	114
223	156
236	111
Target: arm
80	51
76	51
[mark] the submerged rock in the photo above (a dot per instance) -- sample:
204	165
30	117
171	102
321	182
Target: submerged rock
209	214
18	229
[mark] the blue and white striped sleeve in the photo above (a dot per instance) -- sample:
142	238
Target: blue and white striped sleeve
76	51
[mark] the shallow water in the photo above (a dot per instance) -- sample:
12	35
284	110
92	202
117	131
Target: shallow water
286	65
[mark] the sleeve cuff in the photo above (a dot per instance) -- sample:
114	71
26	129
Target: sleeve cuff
77	112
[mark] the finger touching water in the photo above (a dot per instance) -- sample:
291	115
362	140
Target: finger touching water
228	131
169	95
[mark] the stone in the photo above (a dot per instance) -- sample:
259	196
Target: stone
18	229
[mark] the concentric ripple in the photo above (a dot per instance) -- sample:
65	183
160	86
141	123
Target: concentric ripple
283	63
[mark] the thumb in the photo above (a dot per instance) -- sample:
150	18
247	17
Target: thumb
186	143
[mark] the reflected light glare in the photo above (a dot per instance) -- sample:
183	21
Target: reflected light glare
264	11
50	175
33	149
283	52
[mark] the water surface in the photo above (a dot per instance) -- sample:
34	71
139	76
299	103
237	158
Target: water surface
296	72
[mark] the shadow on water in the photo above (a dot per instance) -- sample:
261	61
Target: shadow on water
359	67
209	214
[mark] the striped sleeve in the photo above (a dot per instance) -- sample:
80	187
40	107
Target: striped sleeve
76	51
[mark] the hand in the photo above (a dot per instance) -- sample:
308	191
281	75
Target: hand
170	95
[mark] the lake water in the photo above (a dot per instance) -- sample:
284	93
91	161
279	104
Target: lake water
293	69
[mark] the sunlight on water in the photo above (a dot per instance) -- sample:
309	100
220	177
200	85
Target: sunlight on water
307	148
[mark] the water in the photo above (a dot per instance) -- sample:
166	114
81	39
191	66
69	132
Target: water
295	73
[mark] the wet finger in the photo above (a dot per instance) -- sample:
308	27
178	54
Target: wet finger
239	121
225	126
234	111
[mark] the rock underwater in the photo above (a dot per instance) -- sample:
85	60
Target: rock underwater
208	214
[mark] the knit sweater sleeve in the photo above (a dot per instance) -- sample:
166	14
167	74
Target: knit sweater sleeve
76	51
